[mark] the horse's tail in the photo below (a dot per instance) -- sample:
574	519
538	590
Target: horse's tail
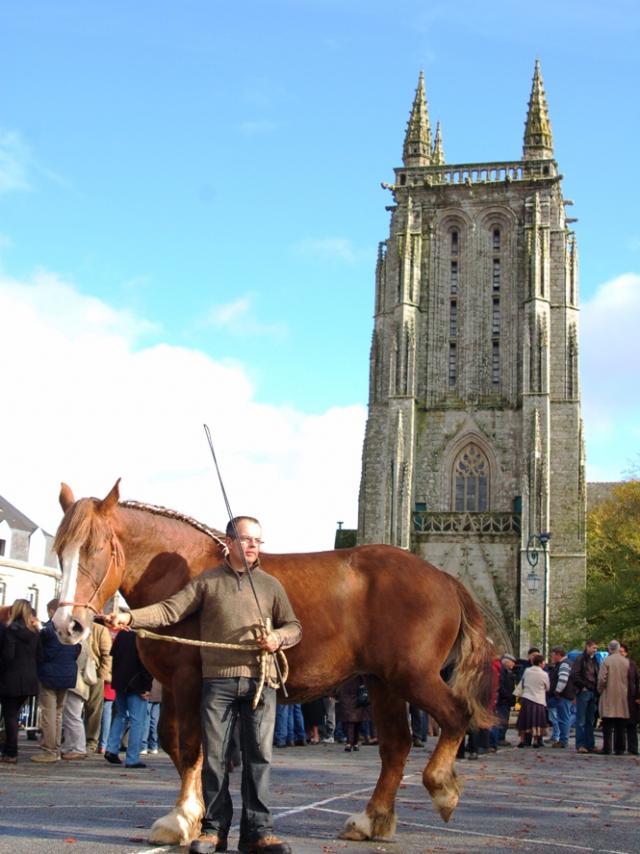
472	680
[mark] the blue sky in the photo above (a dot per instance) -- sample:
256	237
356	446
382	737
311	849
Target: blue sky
201	182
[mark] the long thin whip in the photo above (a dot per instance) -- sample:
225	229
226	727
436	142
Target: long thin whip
244	557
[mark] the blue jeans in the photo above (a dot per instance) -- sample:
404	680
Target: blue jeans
224	701
585	718
150	739
289	725
559	710
107	710
499	731
132	709
552	714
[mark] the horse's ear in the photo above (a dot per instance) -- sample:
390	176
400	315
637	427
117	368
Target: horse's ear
65	498
107	504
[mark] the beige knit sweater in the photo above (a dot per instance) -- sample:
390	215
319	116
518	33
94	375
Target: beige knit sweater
228	613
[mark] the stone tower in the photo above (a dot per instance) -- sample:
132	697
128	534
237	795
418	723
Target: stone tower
474	435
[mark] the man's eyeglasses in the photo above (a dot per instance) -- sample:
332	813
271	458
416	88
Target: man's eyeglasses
250	541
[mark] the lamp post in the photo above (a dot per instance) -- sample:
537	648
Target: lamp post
533	579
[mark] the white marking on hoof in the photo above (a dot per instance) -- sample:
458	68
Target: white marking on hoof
357	827
178	827
445	803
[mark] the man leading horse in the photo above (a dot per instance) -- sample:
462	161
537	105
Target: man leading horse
224	597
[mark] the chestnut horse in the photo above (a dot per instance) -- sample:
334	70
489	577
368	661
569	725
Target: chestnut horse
372	610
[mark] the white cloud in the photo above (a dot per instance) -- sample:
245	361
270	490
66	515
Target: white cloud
15	158
610	367
238	317
329	248
85	402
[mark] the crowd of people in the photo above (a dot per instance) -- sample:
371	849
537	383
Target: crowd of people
98	696
78	687
571	691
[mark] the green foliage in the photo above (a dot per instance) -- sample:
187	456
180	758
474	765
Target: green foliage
613	567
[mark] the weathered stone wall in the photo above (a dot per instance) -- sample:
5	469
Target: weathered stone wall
476	341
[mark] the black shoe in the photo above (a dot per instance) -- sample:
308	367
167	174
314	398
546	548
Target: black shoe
136	765
113	758
266	845
208	843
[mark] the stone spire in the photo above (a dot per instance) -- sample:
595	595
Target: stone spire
437	156
417	141
538	142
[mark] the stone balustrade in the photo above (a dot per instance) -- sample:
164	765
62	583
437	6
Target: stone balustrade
466	523
476	173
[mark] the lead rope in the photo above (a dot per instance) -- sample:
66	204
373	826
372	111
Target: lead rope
265	658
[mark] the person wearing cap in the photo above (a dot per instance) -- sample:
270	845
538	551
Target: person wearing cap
505	699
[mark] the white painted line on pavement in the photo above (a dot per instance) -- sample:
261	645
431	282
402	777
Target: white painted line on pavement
552	843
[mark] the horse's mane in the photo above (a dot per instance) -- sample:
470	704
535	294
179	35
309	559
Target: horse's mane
157	510
83	524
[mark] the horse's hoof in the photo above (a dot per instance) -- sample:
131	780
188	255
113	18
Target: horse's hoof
445	805
172	829
357	828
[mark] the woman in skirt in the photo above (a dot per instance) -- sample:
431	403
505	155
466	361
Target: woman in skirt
532	720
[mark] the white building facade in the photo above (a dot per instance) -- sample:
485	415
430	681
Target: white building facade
28	566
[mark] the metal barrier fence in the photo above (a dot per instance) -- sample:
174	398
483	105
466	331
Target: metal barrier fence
29	720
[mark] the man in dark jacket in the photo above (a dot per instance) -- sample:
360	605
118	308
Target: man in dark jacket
57	672
505	698
132	683
584	673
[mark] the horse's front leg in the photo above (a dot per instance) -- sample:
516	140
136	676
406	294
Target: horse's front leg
378	821
179	732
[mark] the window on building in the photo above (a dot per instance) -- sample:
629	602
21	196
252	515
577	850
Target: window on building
495	275
3	547
455	242
453	278
495	363
495	317
34	596
3	592
453	319
453	364
496	239
471	480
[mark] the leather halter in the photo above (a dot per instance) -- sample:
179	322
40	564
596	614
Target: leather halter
115	549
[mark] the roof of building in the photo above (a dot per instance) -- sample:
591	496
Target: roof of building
14	518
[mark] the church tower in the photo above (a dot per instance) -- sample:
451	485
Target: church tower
474	435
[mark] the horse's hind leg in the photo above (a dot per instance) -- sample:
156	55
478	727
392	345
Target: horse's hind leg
180	737
394	737
439	777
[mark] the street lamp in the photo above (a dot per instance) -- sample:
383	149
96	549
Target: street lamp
533	579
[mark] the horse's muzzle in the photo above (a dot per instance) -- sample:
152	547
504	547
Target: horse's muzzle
70	627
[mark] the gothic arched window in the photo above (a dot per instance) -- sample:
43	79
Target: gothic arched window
471	480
